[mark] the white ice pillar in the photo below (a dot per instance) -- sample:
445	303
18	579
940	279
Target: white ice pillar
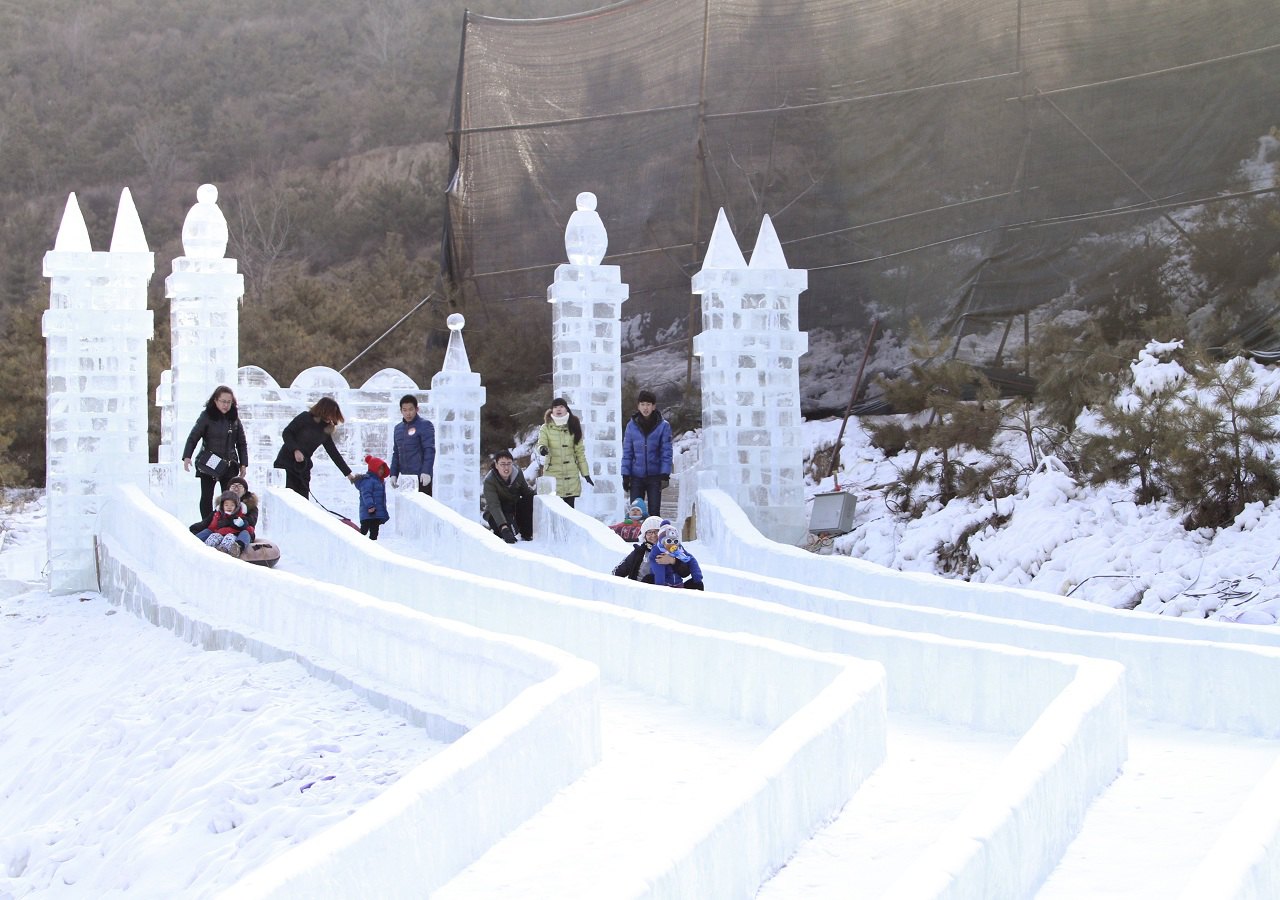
96	331
586	353
204	294
456	398
749	358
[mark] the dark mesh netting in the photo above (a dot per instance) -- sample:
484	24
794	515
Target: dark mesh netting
954	160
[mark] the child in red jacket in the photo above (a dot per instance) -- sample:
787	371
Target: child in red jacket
227	522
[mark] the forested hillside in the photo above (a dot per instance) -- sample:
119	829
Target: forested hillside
321	122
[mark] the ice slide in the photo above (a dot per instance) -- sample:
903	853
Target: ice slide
785	759
1058	728
949	864
1201	704
1201	738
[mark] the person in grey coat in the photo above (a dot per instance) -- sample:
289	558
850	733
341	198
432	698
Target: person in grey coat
508	499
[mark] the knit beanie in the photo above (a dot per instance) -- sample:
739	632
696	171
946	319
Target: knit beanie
653	523
377	466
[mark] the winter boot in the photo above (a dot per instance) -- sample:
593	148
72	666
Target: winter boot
214	541
236	549
228	541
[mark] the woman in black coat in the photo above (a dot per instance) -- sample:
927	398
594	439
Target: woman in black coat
302	437
218	428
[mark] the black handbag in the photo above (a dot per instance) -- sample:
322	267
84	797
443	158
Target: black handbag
210	465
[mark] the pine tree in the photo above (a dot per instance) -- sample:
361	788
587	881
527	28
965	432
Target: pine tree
955	408
1222	464
1133	434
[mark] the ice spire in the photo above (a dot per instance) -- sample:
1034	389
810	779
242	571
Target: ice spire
585	238
455	355
204	231
723	251
127	237
456	399
73	236
768	250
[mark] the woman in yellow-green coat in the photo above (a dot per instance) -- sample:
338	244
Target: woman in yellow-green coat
563	456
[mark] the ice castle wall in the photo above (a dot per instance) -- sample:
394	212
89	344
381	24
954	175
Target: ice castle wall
749	358
586	353
96	331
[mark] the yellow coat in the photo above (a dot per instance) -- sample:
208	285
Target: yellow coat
565	461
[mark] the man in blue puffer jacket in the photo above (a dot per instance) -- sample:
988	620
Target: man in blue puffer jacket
413	446
646	453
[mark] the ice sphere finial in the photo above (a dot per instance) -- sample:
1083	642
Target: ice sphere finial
585	240
455	355
768	250
127	236
723	251
73	235
204	232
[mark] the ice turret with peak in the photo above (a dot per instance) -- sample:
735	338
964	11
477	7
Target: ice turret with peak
586	352
456	399
96	331
204	292
748	353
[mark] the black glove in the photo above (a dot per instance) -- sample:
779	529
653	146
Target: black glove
587	479
666	482
543	451
507	534
626	484
694	585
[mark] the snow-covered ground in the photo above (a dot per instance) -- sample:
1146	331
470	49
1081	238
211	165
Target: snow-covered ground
1090	543
134	765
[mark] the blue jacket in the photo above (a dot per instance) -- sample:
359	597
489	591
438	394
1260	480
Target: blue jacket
667	574
413	454
373	498
646	455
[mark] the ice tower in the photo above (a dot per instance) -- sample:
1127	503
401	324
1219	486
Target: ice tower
586	352
96	331
749	359
204	294
456	398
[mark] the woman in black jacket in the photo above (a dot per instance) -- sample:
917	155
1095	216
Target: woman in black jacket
302	437
218	428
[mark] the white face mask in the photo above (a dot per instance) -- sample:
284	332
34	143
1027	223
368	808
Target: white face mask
560	420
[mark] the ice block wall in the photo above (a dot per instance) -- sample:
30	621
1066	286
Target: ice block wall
96	331
456	399
586	353
204	292
749	360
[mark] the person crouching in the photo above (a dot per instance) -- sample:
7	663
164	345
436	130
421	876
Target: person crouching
508	499
672	565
